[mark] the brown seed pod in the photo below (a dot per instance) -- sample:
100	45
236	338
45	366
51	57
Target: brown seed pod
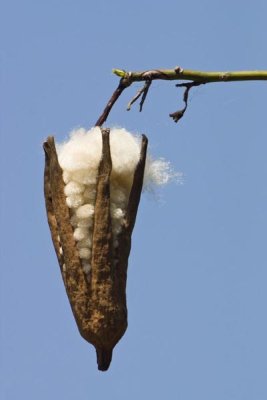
98	304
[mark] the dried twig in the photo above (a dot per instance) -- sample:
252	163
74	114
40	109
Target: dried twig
177	115
124	83
143	91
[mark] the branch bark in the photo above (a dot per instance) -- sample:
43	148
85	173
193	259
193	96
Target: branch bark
124	83
195	78
179	73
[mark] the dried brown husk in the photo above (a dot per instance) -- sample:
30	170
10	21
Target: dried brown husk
99	304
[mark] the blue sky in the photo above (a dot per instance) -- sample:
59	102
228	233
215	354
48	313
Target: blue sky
197	273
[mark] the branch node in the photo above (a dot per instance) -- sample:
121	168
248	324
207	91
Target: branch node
178	70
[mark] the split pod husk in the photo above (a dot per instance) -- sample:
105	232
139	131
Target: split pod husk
98	304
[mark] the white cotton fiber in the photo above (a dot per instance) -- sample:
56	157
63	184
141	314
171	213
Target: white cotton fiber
86	267
85	176
79	159
118	195
73	188
66	175
85	253
74	219
116	213
84	243
74	200
81	151
85	211
157	173
116	226
125	153
90	193
80	233
85	222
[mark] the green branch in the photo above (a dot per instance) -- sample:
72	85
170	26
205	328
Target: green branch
194	78
179	73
